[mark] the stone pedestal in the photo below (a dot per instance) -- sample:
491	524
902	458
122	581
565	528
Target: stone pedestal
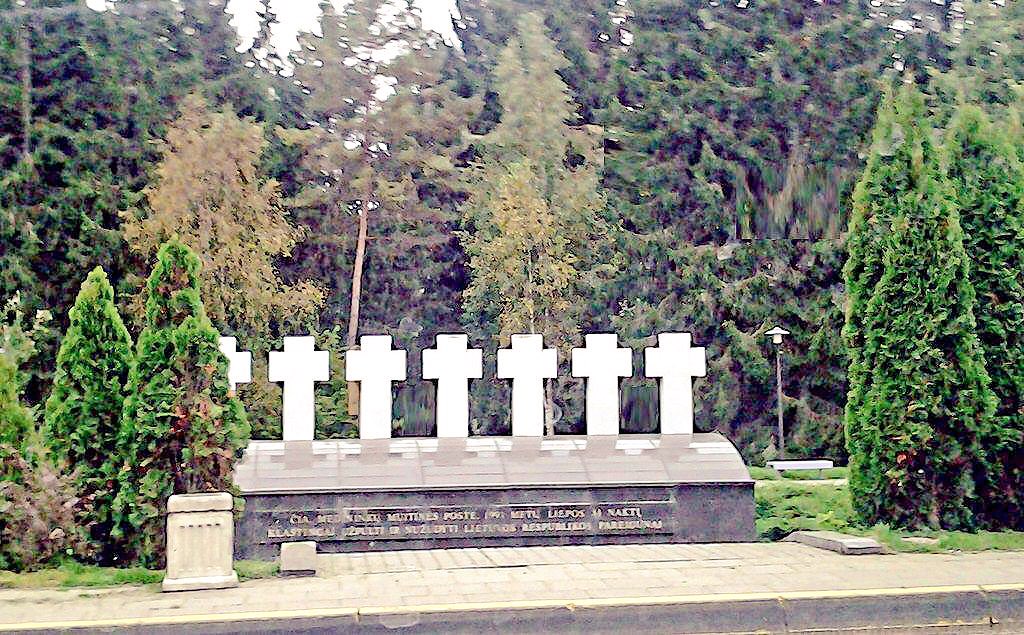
200	537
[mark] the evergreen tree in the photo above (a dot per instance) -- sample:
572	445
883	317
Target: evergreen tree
76	154
15	418
730	137
83	412
19	344
989	181
181	429
381	130
920	403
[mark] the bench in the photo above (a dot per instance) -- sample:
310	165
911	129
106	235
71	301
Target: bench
808	464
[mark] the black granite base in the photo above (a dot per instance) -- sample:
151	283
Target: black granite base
426	493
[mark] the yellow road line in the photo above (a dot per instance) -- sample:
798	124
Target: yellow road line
354	613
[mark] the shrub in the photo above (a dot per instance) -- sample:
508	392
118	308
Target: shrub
83	413
42	518
181	430
15	423
17	345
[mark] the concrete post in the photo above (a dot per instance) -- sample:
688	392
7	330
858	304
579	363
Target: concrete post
200	542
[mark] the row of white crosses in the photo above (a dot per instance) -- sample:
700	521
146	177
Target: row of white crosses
376	365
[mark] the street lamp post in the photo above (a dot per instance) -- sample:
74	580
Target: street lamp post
777	333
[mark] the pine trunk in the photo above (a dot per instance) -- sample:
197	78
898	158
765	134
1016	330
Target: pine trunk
353	314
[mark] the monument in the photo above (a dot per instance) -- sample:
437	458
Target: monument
384	493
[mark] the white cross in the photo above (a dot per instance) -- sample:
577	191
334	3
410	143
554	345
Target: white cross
452	364
239	362
676	363
527	364
602	362
375	365
298	367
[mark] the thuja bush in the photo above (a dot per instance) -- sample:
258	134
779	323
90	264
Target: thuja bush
19	339
988	178
181	430
919	403
15	422
83	413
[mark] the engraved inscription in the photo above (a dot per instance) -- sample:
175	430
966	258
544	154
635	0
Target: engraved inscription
471	521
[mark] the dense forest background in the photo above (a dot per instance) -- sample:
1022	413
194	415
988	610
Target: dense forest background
688	165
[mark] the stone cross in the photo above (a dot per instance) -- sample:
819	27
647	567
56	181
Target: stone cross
602	362
527	364
299	366
676	363
375	365
452	364
239	362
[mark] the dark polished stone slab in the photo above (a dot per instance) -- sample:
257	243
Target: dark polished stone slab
492	491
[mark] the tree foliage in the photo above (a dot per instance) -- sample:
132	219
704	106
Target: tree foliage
920	406
379	157
534	233
522	267
83	412
988	179
181	429
208	193
19	344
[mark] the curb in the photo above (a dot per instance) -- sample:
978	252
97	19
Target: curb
952	609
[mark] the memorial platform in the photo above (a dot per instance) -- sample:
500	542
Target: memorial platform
426	493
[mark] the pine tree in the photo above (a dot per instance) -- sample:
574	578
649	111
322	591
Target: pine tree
181	429
83	412
379	139
988	178
920	403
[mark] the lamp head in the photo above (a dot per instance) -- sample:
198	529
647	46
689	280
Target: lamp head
777	333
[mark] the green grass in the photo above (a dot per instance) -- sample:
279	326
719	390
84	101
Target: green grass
785	506
255	569
73	574
768	474
946	541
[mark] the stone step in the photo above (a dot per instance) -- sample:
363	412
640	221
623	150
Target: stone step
844	544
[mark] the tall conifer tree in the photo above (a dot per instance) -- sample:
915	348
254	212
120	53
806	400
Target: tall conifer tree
988	178
919	400
83	413
181	430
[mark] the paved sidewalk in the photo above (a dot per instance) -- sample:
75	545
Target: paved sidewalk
420	582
